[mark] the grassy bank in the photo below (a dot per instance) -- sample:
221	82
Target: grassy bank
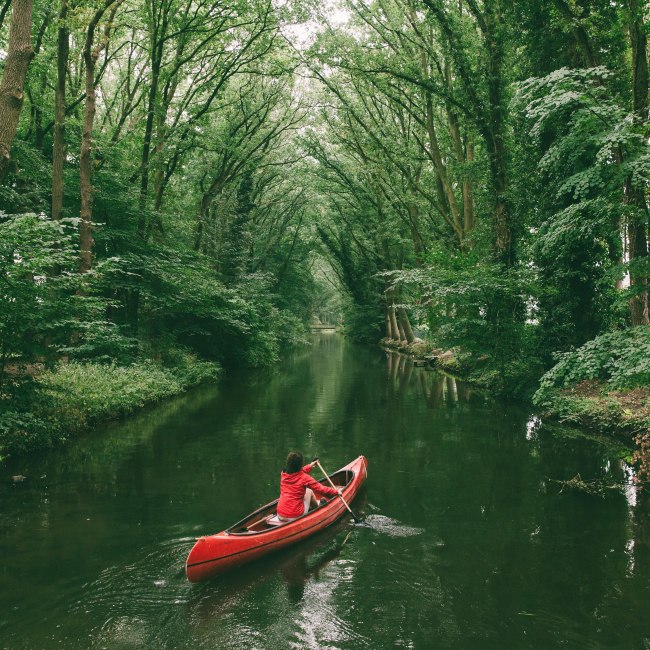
594	404
72	397
605	385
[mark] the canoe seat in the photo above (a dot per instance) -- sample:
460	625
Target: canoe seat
274	521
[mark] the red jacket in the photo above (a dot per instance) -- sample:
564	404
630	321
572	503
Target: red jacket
292	492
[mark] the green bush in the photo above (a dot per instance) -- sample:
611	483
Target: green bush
620	359
82	393
364	322
183	302
187	368
46	307
73	396
21	432
290	329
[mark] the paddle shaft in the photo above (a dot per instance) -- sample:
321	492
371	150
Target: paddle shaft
327	476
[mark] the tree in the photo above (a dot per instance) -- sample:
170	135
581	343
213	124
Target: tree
58	146
91	53
19	56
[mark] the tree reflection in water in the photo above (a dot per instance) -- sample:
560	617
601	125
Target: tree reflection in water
435	387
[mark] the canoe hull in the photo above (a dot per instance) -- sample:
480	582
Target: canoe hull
215	554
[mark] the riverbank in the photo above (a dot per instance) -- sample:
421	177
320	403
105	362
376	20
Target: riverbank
592	404
616	405
621	414
425	353
71	398
474	370
603	385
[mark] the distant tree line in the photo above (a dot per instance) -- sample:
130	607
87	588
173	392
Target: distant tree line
484	167
477	169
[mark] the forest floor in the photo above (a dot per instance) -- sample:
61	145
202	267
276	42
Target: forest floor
591	404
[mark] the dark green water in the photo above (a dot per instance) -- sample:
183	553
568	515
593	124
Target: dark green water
469	544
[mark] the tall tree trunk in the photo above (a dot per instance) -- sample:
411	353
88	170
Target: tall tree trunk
416	237
207	199
146	146
90	56
36	125
393	322
406	325
400	328
389	326
579	33
464	155
19	55
160	180
441	171
503	235
158	31
58	146
637	227
85	162
202	217
468	198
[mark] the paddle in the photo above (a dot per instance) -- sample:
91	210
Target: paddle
327	476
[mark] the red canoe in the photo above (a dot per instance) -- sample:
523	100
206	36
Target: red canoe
261	533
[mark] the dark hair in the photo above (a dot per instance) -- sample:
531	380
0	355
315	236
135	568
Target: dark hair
295	461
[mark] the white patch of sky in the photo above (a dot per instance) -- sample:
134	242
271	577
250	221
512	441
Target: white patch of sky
302	35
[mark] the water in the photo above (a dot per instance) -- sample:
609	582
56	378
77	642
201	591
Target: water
469	543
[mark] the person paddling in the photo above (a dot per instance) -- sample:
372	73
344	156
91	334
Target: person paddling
298	489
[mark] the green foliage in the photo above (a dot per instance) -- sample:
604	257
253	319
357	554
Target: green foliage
620	359
589	148
575	252
45	304
363	323
586	130
188	369
289	328
22	432
480	308
27	186
82	393
71	397
184	300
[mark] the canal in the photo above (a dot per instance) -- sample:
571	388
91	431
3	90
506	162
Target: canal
470	542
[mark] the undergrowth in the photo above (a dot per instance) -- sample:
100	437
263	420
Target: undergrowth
70	398
604	385
619	360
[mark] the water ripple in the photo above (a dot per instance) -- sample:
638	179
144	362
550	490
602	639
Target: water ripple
155	579
391	527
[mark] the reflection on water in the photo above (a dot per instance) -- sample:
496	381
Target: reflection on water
466	545
434	388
